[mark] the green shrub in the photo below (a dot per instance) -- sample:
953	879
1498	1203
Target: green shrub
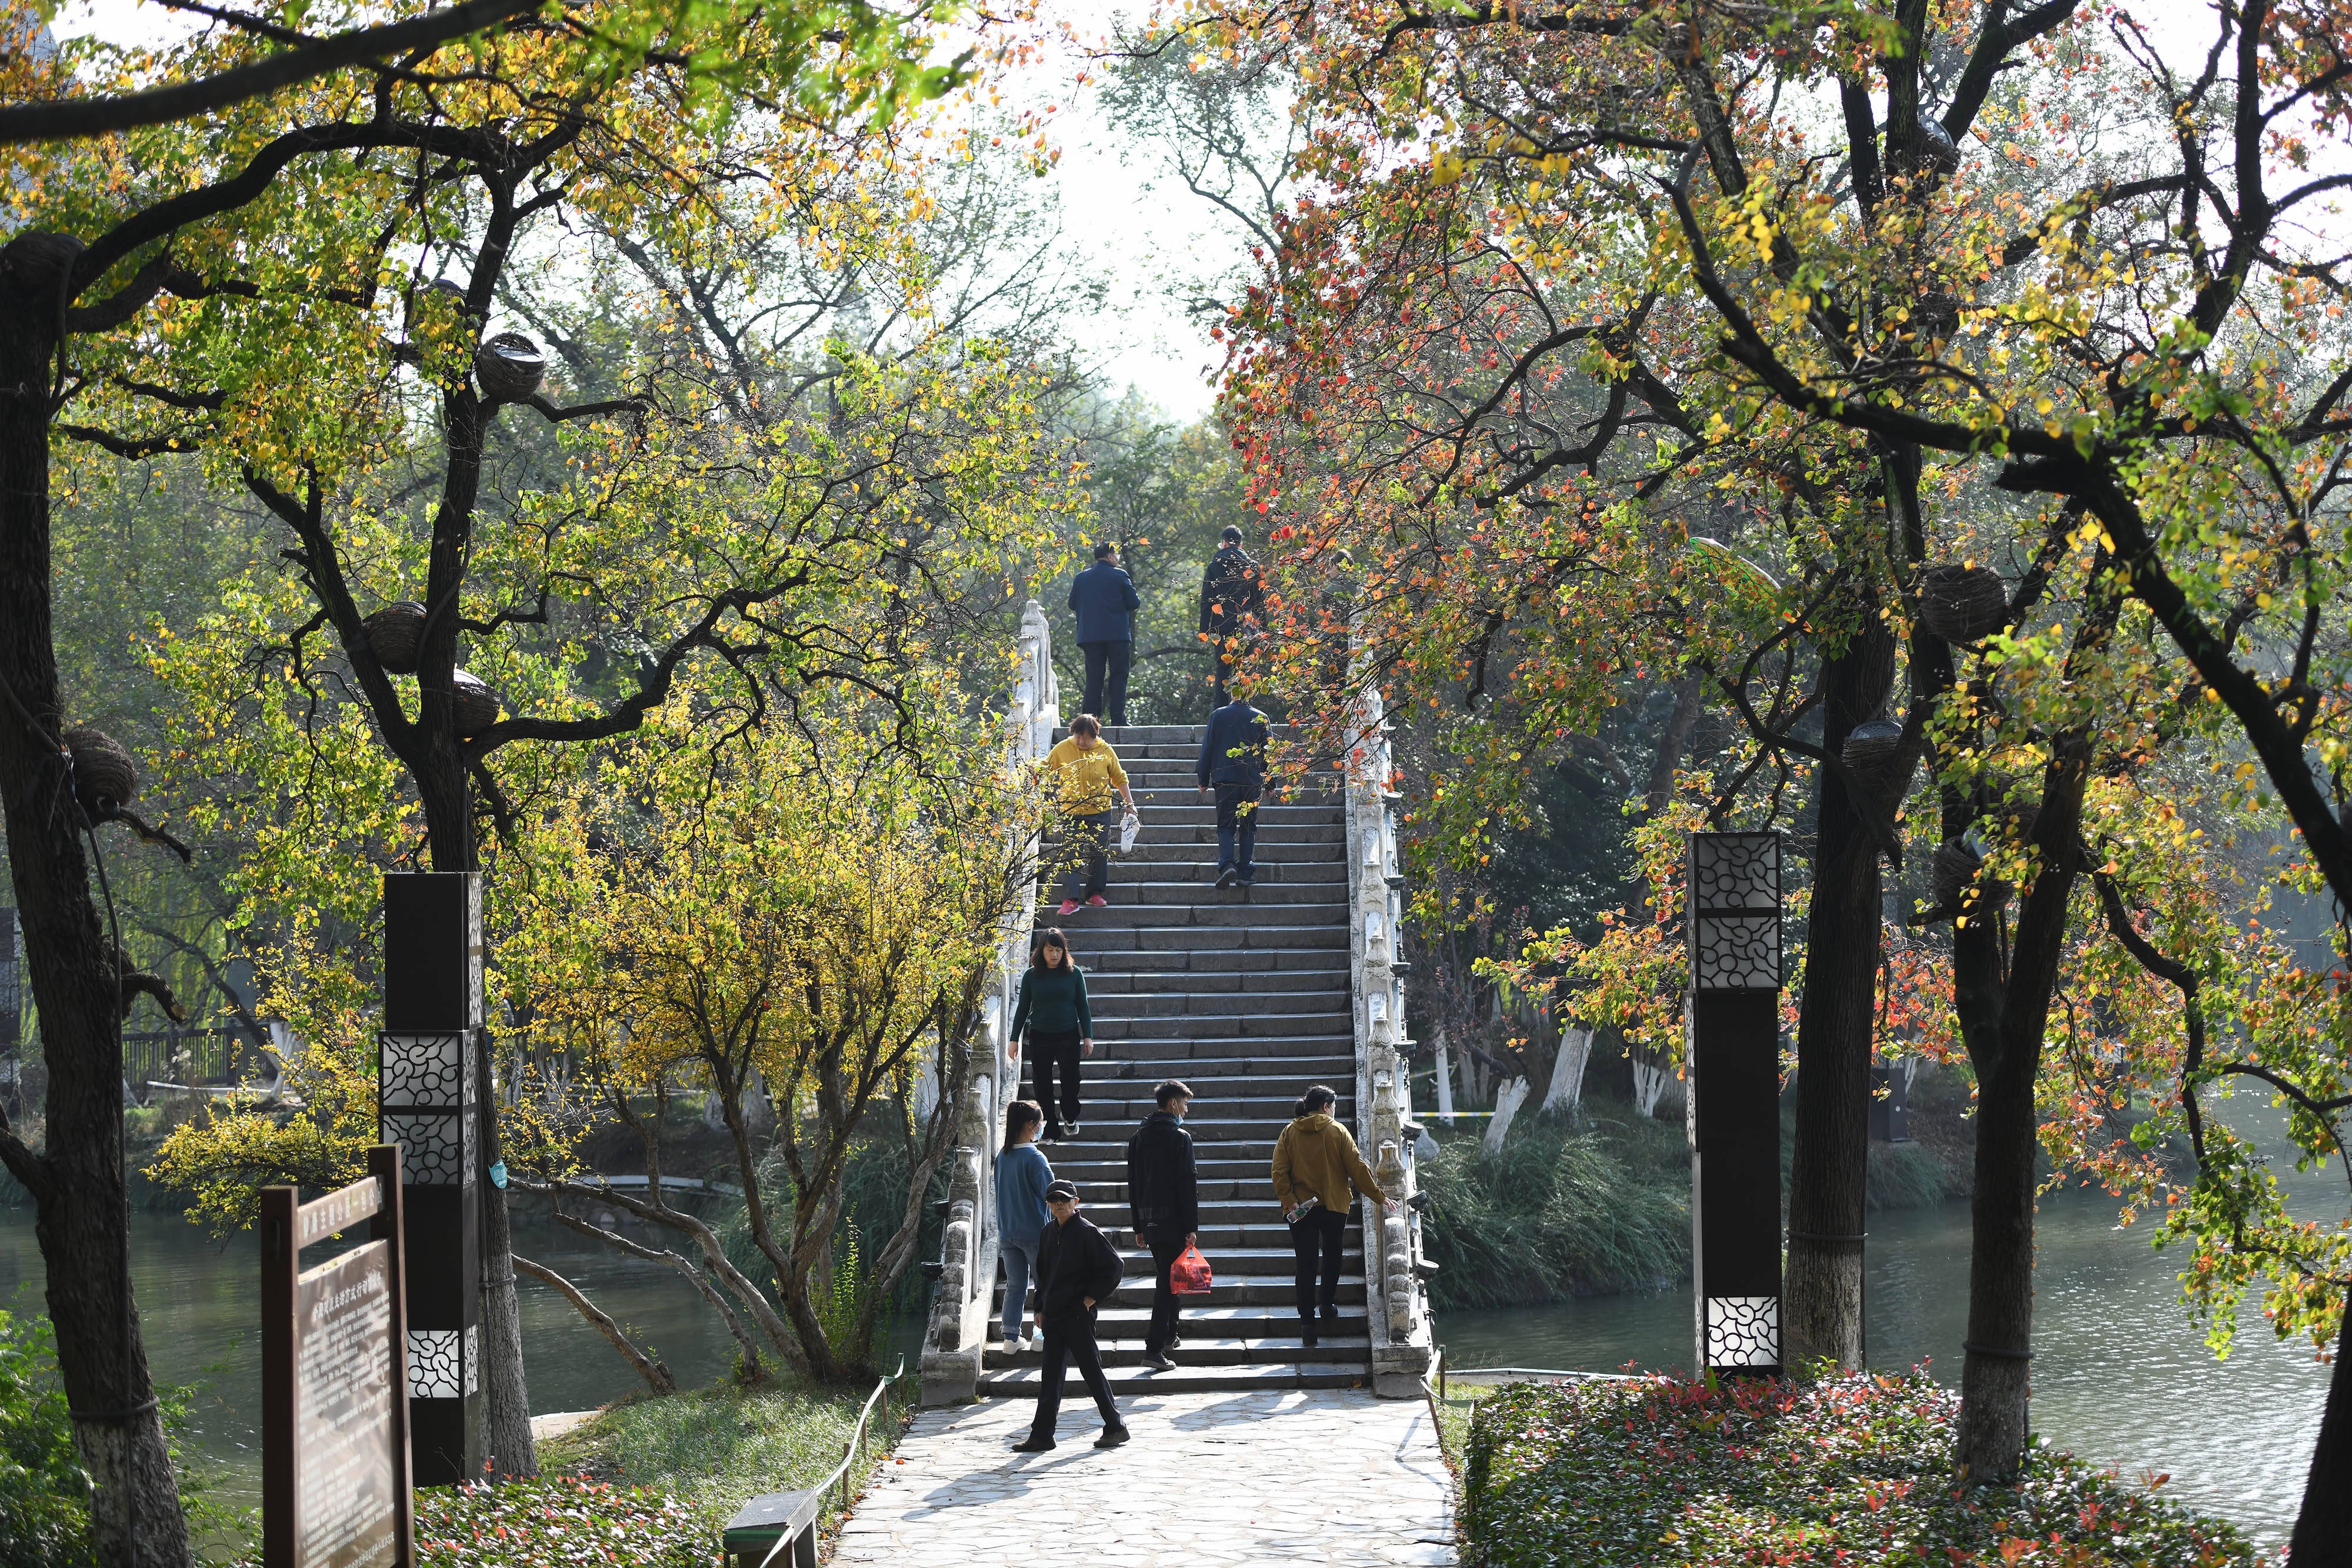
1661	1471
1559	1213
44	1493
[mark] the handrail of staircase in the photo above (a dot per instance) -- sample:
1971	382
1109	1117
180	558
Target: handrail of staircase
1397	1308
953	1341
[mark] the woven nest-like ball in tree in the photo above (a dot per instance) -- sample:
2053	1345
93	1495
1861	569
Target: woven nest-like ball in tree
1869	755
1956	865
477	704
1963	603
104	778
509	367
396	634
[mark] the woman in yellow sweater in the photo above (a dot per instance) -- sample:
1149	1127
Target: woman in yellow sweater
1086	771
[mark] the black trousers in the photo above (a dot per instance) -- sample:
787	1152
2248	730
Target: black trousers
1106	667
1068	1341
1237	826
1083	852
1054	1052
1317	1238
1167	1246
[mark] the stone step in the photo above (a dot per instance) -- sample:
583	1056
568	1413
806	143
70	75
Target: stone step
1265	1293
1202	1351
1155	928
1120	996
1132	892
1198	868
1135	988
1226	1025
1127	1382
1167	1058
1216	1105
1253	1205
1099	956
1292	838
1132	1064
1199	813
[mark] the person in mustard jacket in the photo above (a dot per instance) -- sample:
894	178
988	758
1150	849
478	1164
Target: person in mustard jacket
1085	771
1315	1167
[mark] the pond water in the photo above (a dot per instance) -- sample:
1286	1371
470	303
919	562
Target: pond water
197	1298
2122	1377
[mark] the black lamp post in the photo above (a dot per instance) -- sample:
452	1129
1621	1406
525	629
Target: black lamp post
1734	1068
426	1103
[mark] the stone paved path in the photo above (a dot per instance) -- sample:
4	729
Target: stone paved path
1211	1480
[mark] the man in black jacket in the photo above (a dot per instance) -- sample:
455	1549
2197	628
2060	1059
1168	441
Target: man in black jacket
1078	1270
1233	595
1232	763
1163	1190
1105	601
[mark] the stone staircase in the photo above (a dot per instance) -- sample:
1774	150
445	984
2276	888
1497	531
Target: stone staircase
1244	995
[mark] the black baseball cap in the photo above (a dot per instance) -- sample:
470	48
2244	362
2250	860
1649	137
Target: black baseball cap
1061	1192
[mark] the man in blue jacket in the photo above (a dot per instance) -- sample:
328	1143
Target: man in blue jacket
1105	598
1232	763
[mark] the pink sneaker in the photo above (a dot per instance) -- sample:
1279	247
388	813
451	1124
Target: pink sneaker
1069	906
1099	902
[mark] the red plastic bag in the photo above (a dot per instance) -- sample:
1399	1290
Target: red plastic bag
1189	1275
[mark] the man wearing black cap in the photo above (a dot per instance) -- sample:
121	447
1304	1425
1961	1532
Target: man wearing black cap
1233	595
1078	1270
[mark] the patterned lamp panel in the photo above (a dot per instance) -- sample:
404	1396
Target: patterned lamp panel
425	1093
1734	925
1743	1331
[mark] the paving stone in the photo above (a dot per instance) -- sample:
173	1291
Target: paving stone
1332	1478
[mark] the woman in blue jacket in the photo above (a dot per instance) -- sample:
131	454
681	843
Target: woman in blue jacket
1022	1176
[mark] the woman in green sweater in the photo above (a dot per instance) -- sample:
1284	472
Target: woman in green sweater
1052	1014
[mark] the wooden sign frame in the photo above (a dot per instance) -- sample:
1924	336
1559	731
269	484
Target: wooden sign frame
288	1226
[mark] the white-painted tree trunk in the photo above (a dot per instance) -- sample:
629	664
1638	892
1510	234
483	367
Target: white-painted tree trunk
1566	1091
1444	1081
1513	1095
1649	1082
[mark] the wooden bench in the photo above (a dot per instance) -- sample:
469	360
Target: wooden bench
752	1533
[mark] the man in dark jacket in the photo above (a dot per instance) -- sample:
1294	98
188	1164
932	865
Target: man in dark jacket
1233	595
1233	763
1104	597
1078	1270
1163	1190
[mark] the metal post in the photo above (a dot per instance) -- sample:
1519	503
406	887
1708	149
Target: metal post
425	1102
1734	1098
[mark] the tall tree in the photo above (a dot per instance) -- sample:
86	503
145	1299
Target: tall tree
216	259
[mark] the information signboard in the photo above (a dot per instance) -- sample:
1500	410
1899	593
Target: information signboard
335	1462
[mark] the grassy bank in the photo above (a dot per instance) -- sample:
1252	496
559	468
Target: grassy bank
1854	1469
652	1480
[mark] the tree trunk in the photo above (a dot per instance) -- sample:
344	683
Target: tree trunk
1828	1177
82	1225
508	1441
2323	1531
1995	1380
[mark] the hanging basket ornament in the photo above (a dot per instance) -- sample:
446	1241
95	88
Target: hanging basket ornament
476	705
1870	752
1963	603
395	635
1956	866
510	368
105	780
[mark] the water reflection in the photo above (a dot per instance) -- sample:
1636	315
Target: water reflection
198	1298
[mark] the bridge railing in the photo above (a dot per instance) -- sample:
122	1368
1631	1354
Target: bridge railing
1396	1303
955	1342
